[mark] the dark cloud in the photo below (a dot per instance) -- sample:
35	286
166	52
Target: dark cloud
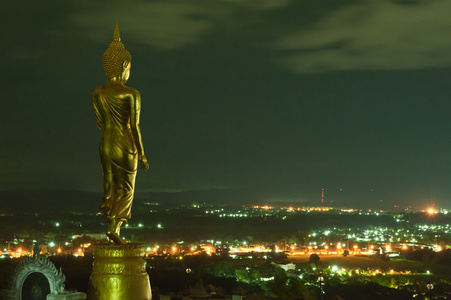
279	97
371	35
170	25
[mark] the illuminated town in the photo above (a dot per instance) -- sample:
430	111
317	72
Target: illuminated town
406	235
402	246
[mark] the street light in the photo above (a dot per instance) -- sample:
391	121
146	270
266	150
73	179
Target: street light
188	272
430	286
321	283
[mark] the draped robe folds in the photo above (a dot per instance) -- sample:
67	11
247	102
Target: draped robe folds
118	152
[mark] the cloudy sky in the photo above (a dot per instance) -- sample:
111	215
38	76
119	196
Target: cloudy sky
280	98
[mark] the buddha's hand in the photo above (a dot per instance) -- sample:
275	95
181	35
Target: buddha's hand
144	163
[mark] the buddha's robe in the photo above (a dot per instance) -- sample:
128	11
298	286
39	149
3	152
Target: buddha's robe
112	104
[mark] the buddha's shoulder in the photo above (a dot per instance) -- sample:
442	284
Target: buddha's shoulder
131	91
97	91
114	90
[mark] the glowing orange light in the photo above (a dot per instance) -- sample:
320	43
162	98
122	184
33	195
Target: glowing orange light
338	246
59	250
431	211
19	250
173	249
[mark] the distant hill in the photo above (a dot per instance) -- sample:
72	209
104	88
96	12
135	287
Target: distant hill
213	196
58	201
61	201
231	197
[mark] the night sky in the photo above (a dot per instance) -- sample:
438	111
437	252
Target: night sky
274	98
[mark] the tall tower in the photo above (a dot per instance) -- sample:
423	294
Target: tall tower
322	195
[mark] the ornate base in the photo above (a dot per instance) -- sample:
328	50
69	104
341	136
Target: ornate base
119	273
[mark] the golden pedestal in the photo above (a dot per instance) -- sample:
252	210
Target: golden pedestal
119	273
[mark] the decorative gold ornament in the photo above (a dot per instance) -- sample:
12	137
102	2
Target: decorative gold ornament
117	109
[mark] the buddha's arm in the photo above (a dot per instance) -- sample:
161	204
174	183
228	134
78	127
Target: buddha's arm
97	113
134	124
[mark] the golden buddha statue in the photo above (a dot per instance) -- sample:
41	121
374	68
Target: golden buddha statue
117	109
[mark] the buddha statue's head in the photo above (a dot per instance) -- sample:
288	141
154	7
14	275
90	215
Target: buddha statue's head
117	60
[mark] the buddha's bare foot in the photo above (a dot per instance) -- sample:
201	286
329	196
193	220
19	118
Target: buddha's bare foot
116	239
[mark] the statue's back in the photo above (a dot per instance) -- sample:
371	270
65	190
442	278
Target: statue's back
117	109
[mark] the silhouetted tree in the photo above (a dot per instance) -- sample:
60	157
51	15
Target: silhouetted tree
314	258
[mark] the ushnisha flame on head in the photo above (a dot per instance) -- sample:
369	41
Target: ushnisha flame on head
114	57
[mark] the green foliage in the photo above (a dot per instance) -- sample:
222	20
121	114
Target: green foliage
279	286
241	274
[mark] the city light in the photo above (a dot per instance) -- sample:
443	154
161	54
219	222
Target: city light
371	242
